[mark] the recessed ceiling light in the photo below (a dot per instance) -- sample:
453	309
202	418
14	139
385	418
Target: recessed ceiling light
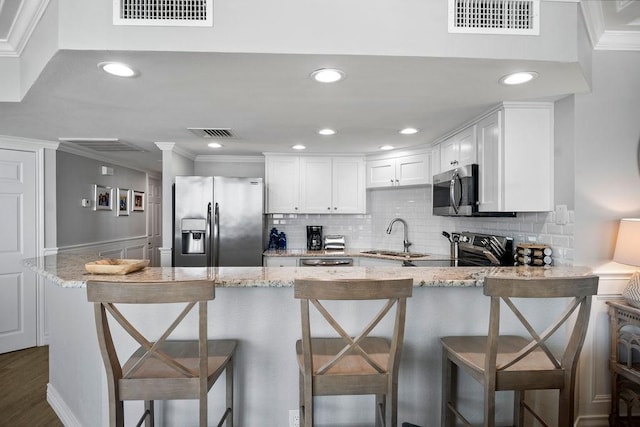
118	69
328	75
387	147
327	132
518	78
214	145
298	147
409	131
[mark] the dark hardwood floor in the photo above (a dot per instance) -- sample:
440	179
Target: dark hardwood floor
23	389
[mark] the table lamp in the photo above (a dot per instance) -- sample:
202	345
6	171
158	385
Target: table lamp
628	252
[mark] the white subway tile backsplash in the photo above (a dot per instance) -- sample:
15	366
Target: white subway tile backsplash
425	230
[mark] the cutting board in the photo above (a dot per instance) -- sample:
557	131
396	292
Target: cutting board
116	266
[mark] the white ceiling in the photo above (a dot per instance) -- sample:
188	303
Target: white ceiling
268	100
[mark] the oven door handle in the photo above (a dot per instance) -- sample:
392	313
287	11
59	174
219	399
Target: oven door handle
452	191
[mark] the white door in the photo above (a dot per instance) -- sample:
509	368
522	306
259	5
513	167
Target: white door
18	230
154	221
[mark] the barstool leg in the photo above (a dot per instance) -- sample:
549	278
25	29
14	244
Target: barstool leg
149	419
229	383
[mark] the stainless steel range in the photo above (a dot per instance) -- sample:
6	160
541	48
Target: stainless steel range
482	249
473	249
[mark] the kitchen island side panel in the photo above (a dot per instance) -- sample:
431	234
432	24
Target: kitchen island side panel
266	321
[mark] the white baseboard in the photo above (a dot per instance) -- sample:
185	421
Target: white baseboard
593	421
60	408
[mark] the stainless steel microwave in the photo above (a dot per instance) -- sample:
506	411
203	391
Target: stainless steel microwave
455	193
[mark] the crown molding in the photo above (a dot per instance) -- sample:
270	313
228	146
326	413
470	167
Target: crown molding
26	19
600	37
22	143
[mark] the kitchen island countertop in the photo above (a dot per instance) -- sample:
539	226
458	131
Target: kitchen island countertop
67	270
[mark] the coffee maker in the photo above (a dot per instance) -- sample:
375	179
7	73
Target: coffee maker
314	237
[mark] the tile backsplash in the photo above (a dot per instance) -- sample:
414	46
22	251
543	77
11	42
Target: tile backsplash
413	204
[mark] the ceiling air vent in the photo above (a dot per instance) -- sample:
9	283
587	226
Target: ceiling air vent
102	144
518	17
183	13
212	133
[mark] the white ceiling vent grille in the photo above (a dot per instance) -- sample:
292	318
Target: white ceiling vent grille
212	132
520	17
184	13
103	144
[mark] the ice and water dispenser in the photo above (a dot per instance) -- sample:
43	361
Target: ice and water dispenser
193	235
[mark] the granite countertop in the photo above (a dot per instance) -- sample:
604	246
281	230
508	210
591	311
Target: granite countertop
67	270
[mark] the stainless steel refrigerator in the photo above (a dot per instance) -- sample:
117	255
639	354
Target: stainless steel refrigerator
218	221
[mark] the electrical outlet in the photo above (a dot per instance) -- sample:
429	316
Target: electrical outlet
294	418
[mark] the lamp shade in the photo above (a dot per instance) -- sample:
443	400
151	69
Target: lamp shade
628	243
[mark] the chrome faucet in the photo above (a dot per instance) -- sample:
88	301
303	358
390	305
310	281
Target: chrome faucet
406	242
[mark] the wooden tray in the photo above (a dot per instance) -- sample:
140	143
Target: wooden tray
116	266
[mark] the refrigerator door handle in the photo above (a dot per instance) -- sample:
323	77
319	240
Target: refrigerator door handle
207	242
216	236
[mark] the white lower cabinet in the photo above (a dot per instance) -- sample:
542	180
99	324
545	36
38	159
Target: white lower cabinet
399	171
280	261
515	158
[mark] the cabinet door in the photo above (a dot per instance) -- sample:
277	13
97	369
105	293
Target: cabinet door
278	261
381	173
490	163
459	149
349	193
283	184
466	140
315	185
413	170
435	162
448	154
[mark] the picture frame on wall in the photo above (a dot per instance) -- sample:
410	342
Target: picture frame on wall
124	202
137	202
102	198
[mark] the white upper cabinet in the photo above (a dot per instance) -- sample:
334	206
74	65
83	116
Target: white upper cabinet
315	184
399	171
282	178
515	158
349	194
458	149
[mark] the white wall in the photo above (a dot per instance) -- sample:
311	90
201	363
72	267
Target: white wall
235	167
384	27
607	134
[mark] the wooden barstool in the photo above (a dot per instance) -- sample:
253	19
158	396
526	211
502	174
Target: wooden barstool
508	362
348	364
162	369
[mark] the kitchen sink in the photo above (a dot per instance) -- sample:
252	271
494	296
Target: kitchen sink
404	255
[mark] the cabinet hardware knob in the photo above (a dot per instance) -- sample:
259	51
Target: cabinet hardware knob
335	209
329	208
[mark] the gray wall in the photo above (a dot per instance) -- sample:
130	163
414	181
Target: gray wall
607	133
76	225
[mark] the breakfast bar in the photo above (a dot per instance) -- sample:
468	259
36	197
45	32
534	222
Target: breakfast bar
255	306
